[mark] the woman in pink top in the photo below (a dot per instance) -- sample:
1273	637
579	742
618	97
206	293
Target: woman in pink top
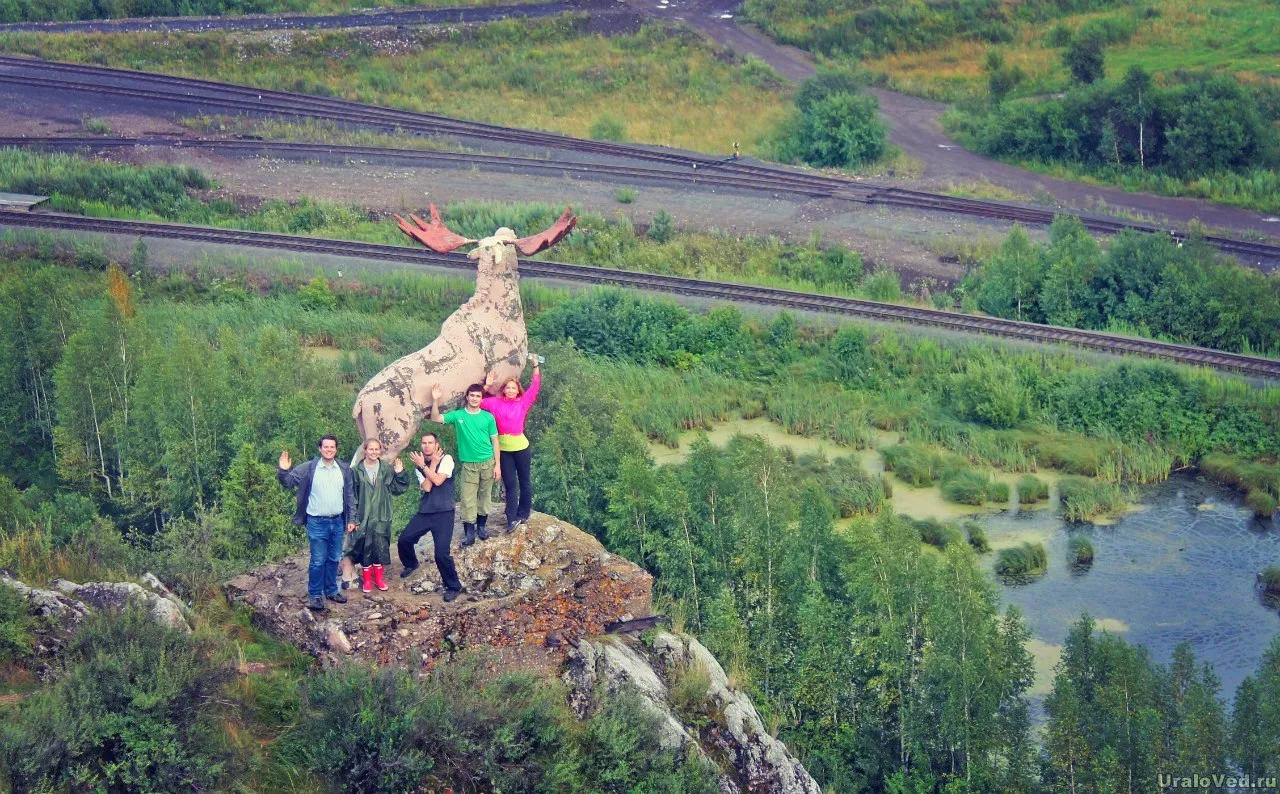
509	406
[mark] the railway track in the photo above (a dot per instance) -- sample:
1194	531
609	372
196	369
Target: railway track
727	172
740	293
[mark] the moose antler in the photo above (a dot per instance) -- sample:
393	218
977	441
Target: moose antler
438	238
434	235
545	239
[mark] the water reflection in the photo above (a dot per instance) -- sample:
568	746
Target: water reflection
1182	569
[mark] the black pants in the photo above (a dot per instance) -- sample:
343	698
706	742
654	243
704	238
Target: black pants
440	525
515	468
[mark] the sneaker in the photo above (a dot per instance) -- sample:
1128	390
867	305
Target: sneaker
337	597
316	604
451	595
512	527
407	572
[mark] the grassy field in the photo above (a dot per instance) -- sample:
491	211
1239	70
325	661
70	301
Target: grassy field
658	86
1238	36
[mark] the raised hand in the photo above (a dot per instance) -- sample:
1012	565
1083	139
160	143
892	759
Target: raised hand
286	462
418	459
436	393
398	466
488	379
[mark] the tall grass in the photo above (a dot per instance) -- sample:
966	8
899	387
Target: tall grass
1027	560
553	74
1079	551
969	487
1084	499
1032	489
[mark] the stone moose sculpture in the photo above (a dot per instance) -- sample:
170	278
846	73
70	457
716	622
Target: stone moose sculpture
484	335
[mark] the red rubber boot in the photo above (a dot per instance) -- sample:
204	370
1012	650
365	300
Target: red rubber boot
377	578
367	574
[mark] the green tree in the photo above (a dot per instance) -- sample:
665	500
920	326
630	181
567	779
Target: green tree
1083	57
1011	279
254	503
1073	257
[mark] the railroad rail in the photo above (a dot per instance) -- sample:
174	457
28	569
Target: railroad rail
727	172
739	293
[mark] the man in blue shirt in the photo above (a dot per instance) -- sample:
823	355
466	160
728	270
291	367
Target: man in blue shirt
326	501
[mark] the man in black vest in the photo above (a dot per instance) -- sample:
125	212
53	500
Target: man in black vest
435	514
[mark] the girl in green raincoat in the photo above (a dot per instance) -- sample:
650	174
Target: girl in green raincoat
375	484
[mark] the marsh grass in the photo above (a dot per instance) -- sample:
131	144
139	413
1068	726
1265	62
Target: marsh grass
970	487
1243	475
1270	580
550	74
1261	503
936	533
1022	562
1079	551
1032	489
1085	499
977	537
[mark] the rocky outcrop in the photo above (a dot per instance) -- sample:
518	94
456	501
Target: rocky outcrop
60	611
542	598
530	596
753	759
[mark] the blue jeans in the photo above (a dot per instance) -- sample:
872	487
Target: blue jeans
325	536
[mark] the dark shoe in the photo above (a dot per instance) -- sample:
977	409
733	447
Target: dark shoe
407	572
468	534
482	527
337	597
316	604
512	527
451	595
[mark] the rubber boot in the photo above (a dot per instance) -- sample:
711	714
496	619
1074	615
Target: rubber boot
481	521
468	534
378	581
366	576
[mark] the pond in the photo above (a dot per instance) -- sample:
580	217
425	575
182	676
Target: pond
1179	566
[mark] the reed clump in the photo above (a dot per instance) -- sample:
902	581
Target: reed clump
1269	579
970	487
1079	551
1032	489
1026	560
977	537
936	533
1084	499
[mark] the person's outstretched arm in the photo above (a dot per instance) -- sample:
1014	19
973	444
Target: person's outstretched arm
535	385
435	403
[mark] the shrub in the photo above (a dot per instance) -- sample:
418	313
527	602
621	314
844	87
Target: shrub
316	295
1026	560
836	129
663	227
1079	551
1270	579
1032	489
133	711
936	533
625	195
461	727
977	537
1084	59
882	285
15	624
1261	503
608	128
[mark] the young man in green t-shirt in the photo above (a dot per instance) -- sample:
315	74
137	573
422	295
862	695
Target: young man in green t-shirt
478	452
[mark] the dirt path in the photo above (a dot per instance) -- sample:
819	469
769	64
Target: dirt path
914	126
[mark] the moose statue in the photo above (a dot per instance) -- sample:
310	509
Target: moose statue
484	335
